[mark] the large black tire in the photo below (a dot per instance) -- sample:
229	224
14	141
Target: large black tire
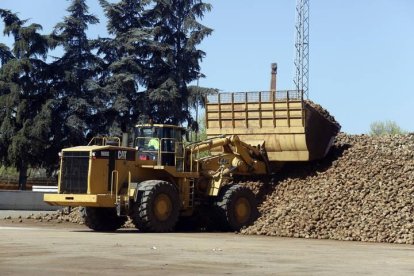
103	219
157	207
237	208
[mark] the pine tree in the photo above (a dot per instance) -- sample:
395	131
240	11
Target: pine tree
25	99
74	78
154	48
175	62
125	55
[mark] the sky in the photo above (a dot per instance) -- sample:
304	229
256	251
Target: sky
361	52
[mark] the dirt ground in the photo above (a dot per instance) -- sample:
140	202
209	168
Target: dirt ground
30	248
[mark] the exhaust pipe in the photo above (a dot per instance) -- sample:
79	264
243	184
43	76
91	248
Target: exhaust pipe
125	139
273	79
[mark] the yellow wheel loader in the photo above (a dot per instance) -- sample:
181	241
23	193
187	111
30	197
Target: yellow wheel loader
156	179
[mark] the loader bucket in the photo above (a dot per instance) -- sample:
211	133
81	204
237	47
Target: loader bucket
320	133
292	129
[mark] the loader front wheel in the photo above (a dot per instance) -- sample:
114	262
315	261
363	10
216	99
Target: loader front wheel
237	207
103	219
157	207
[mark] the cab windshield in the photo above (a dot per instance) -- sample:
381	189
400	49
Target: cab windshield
143	135
160	143
146	132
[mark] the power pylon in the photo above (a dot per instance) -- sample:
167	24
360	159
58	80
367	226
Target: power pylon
302	47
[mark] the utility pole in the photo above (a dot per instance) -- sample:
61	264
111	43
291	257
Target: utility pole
301	79
197	104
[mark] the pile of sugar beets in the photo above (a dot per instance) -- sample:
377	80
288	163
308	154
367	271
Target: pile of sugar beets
362	191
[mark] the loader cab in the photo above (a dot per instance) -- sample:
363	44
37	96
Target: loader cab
162	143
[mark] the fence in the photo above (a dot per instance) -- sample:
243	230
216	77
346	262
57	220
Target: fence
9	183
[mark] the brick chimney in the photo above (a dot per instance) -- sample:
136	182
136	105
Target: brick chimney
273	80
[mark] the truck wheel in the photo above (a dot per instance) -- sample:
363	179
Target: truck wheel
103	219
237	207
157	207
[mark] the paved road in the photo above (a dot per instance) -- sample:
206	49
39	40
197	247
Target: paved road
69	250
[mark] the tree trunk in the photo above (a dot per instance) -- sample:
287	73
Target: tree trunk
22	176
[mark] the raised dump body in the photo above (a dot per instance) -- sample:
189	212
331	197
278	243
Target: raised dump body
292	129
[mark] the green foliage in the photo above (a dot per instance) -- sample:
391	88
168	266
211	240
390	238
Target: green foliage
74	77
24	91
385	128
124	55
201	133
5	54
153	48
8	172
175	60
102	86
196	100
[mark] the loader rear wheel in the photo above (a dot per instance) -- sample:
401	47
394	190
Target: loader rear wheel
103	219
157	207
237	207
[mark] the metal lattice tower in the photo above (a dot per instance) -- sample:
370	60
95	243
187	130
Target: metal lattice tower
302	47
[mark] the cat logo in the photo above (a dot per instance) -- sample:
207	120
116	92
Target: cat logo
122	154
